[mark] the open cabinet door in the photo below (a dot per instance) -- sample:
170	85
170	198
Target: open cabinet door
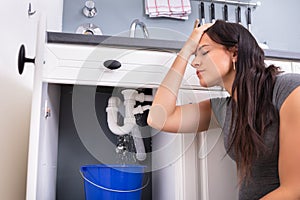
37	113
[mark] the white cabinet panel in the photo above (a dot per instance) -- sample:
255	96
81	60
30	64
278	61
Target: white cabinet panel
296	67
103	53
85	64
284	65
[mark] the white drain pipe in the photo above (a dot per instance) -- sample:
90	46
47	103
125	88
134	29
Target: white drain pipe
112	117
139	143
130	97
140	109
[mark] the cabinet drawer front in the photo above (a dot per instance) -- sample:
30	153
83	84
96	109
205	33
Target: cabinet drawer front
65	63
100	54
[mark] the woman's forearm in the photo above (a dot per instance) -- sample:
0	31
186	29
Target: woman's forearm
164	103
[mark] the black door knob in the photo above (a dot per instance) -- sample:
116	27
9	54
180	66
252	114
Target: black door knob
22	59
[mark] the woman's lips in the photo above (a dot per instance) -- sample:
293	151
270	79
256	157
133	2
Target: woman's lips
198	72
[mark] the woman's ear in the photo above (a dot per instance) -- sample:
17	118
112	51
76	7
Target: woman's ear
234	53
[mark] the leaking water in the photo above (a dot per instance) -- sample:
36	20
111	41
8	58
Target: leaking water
125	150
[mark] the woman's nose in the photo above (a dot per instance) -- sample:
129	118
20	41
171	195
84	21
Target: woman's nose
195	62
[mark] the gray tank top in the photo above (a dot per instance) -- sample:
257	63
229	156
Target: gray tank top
265	176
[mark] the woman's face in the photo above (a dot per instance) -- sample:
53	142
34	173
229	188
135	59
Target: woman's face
213	63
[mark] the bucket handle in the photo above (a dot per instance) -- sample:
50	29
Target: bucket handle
112	190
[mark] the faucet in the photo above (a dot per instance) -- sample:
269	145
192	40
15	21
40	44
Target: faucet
133	28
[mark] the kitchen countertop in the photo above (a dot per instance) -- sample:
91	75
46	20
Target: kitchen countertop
141	43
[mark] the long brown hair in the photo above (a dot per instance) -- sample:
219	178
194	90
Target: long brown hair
253	110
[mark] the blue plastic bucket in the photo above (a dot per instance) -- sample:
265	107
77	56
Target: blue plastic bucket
113	182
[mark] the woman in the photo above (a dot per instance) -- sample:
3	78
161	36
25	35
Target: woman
261	114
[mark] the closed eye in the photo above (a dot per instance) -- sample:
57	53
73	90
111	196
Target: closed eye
204	53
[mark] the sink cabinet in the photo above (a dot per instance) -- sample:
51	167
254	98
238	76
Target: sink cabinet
69	129
68	124
72	86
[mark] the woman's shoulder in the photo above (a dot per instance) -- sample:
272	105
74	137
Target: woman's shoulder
219	102
284	85
287	77
218	106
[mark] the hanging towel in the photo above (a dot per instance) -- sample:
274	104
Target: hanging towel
178	9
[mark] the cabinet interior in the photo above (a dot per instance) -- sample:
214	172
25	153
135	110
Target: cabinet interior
76	134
